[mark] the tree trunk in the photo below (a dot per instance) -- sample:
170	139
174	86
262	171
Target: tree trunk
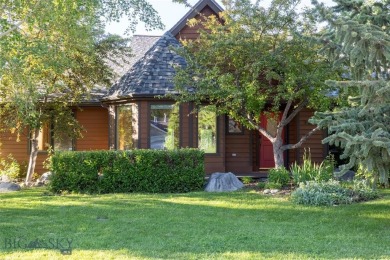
278	152
33	156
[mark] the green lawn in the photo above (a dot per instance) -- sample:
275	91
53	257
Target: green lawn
239	225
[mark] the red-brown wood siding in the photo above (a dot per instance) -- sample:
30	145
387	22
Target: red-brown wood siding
255	143
144	117
185	121
317	149
19	149
95	122
9	145
292	139
111	126
216	162
39	166
238	152
191	33
93	119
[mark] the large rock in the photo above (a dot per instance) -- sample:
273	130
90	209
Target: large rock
44	179
5	178
9	186
347	176
223	182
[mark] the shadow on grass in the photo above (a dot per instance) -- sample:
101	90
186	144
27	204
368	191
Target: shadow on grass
199	225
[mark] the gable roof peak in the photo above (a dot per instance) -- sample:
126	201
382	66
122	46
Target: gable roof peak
193	12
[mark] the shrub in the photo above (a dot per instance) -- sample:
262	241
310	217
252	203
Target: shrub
246	179
127	171
279	175
11	168
330	193
261	184
362	191
309	171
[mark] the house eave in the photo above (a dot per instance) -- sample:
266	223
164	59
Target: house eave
140	96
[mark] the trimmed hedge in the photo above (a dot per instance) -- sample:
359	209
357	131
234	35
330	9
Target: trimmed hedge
154	171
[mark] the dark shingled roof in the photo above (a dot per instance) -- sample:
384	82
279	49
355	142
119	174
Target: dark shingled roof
139	45
152	74
95	95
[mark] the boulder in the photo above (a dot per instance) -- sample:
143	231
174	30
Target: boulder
347	176
45	177
4	178
43	180
9	186
270	191
219	182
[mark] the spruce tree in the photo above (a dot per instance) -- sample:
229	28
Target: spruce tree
357	38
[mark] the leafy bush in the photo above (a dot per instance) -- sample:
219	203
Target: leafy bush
127	171
330	193
309	171
279	175
363	191
11	168
261	184
246	179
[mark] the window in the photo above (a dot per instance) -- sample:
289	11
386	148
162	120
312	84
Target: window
46	139
234	127
62	143
164	126
207	129
272	126
126	127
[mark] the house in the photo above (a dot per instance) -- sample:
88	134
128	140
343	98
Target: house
90	114
136	114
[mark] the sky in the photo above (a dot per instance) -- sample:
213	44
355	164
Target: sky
170	14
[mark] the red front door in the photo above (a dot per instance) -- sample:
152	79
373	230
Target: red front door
266	149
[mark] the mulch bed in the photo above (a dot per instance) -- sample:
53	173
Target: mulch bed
253	186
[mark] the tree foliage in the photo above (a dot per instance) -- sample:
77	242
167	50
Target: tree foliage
251	60
52	53
358	38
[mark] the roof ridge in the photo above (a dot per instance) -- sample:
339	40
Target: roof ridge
145	35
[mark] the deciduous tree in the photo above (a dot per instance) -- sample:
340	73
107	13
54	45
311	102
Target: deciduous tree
251	61
52	53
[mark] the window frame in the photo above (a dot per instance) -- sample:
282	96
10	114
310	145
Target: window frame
217	134
49	129
179	128
228	128
116	139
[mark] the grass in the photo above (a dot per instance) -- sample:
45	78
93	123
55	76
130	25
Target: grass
238	225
